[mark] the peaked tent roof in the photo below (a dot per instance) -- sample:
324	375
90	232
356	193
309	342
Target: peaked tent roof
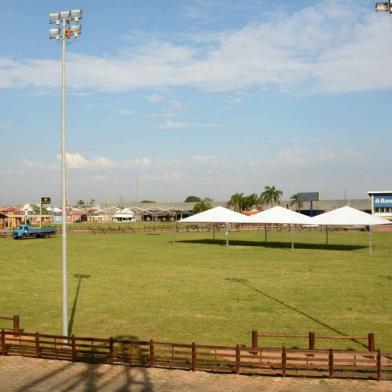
348	216
216	215
280	215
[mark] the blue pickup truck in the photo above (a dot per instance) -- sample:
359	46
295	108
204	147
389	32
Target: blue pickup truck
26	231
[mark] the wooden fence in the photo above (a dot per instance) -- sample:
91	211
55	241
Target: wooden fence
220	359
311	338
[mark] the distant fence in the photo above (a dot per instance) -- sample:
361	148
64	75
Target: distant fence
15	323
219	359
311	338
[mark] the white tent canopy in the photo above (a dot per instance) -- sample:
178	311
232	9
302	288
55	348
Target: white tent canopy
280	215
348	216
216	215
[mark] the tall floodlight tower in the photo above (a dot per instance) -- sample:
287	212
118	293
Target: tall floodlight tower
68	28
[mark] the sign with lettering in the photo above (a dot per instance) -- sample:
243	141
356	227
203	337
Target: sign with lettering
309	196
45	200
383	201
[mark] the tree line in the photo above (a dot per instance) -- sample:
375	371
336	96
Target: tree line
239	202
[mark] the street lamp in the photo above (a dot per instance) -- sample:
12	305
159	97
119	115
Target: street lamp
67	27
384	7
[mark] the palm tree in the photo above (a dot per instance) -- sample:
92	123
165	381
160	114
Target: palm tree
271	195
250	201
202	205
236	201
296	201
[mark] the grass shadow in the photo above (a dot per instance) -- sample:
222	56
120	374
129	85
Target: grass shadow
245	283
273	244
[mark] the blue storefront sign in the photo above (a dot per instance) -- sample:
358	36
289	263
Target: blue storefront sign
383	201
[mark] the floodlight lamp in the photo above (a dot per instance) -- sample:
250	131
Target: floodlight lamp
65	14
76	30
382	7
54	17
54	33
76	15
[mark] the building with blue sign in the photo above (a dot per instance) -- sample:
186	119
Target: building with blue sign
381	203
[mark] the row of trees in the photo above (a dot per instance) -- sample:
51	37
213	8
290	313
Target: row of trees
270	196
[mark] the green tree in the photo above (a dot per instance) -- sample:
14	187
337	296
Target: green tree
81	204
271	195
236	202
147	201
202	205
192	199
296	201
251	201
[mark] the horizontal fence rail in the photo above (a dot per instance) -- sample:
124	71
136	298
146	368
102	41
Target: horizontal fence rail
217	359
311	337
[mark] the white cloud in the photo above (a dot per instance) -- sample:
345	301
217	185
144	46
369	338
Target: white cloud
78	161
324	48
155	98
125	111
171	124
40	165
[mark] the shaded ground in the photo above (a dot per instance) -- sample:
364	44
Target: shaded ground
19	374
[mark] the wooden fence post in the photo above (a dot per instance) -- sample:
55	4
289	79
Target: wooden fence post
3	349
371	342
111	350
378	365
312	340
255	341
73	348
284	359
15	320
330	363
193	356
37	353
237	359
151	353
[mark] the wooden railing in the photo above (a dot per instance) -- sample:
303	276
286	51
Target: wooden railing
220	359
311	338
15	323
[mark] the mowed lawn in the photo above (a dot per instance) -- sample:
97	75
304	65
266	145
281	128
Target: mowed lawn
140	285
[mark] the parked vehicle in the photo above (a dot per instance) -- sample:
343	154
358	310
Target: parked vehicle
27	231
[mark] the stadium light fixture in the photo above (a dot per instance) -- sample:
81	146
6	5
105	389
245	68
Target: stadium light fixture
384	7
69	27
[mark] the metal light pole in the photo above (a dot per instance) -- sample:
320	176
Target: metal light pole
69	27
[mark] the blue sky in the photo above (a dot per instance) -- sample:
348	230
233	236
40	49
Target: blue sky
205	97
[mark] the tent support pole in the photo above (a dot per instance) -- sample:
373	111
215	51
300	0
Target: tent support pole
174	233
326	236
265	234
227	234
370	241
213	232
292	236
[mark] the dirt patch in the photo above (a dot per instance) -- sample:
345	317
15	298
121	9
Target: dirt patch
28	374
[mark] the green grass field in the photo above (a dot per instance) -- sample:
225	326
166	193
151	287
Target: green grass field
198	290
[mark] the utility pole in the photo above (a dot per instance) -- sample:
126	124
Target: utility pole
69	27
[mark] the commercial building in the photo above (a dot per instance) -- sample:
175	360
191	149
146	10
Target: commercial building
381	202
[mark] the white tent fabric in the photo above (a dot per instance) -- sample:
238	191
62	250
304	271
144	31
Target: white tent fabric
348	216
280	215
216	215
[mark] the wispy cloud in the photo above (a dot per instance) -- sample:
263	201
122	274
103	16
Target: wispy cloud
325	48
171	124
